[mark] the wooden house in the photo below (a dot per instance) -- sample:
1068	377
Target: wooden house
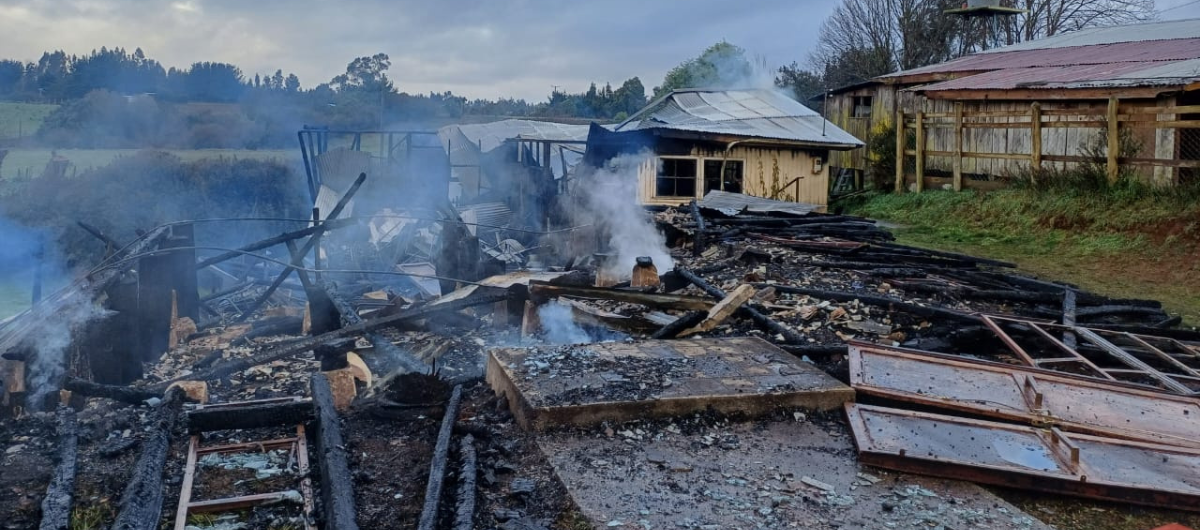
756	142
1050	103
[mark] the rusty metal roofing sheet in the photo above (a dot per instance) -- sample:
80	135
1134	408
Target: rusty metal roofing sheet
1048	77
754	113
1025	457
1126	52
1148	32
1029	395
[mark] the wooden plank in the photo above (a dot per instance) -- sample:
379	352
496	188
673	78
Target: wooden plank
1035	133
1170	109
899	149
920	151
723	310
337	484
185	492
1113	141
236	503
302	468
958	145
542	292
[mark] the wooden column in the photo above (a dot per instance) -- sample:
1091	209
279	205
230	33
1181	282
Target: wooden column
899	148
958	144
1035	137
1114	143
920	151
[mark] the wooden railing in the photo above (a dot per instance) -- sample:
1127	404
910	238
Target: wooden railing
1181	137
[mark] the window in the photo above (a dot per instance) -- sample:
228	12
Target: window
676	177
862	106
731	181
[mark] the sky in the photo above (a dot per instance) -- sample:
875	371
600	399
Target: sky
480	49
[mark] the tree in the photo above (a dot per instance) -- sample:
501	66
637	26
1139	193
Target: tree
292	84
630	97
803	83
365	74
1045	18
720	65
216	82
10	77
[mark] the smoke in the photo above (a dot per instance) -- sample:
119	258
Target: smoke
610	202
559	326
50	339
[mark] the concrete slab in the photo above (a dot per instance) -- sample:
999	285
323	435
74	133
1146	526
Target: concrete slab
789	474
588	384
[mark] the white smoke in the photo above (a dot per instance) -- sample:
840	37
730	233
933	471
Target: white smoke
610	202
50	339
558	325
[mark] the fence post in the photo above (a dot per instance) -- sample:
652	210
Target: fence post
899	148
920	151
958	144
1114	143
1035	138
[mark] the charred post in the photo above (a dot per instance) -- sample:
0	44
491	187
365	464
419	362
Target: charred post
789	336
141	503
249	416
124	394
437	469
56	507
464	513
337	485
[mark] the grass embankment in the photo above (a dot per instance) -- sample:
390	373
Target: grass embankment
1124	242
22	119
33	161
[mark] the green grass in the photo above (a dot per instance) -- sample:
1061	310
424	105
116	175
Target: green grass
20	162
22	119
1119	243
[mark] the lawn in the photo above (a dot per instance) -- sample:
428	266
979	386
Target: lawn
22	162
22	119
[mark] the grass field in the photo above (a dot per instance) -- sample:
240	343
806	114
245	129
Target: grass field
31	161
1127	246
22	119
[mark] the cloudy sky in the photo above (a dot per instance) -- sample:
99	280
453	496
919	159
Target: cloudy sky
515	48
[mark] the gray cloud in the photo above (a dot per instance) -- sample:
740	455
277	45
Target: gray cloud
478	49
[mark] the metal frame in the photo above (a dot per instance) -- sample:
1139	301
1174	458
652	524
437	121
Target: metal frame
1169	382
314	141
299	448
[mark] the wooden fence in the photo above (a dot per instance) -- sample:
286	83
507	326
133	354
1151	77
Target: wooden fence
1001	143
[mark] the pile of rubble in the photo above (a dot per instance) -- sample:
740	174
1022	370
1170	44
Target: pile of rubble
716	394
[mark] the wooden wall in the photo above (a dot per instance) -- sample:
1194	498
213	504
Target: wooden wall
776	173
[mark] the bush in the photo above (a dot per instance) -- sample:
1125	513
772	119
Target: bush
881	156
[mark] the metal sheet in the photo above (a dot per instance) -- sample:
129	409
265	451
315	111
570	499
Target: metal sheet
741	203
1027	458
1028	395
762	114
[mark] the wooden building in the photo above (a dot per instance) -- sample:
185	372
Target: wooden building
978	120
756	142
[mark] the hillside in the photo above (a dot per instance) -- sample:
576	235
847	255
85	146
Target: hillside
22	119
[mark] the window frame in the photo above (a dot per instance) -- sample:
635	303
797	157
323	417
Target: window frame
697	178
704	173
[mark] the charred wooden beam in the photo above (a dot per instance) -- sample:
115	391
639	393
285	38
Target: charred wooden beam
111	244
879	301
896	247
277	240
542	292
349	317
821	350
437	469
249	416
141	502
226	292
689	319
337	485
464	513
699	243
300	346
296	261
789	335
124	394
56	507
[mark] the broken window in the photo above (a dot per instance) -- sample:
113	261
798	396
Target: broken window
676	177
728	180
862	106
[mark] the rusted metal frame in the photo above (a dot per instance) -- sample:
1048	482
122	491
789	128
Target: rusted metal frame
1162	355
189	476
1029	360
243	447
1078	483
1131	361
1007	340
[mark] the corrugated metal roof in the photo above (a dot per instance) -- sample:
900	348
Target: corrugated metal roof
1150	31
1157	54
488	136
754	113
738	203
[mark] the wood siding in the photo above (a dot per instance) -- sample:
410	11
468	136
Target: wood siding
776	173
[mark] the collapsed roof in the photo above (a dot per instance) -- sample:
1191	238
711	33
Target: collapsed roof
754	114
